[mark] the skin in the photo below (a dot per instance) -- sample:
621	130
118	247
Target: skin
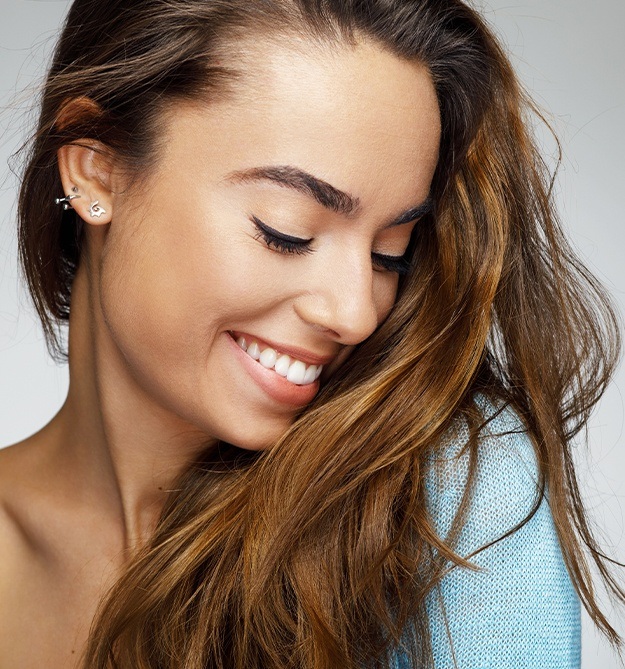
168	270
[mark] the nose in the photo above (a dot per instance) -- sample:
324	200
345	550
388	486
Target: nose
340	298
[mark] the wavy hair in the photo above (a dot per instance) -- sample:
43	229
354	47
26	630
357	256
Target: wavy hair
317	553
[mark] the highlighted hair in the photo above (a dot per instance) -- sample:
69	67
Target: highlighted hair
316	553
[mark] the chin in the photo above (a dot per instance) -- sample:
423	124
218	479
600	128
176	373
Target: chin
260	438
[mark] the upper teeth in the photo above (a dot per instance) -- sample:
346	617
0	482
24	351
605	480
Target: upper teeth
294	370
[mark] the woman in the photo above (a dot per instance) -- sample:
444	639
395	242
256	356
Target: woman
327	349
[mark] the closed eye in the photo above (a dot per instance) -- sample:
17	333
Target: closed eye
399	264
284	243
281	242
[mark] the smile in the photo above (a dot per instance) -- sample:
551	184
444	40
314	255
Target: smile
293	370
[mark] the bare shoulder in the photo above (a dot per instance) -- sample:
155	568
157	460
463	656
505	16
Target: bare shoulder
26	507
55	566
17	494
29	499
14	543
22	572
13	462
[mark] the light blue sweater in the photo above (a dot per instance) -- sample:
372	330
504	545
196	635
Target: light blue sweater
522	611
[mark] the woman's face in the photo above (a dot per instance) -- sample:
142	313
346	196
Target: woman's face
328	148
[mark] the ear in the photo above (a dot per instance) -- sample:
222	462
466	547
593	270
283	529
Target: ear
86	169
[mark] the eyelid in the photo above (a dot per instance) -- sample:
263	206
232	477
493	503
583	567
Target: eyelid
280	235
284	243
277	241
399	264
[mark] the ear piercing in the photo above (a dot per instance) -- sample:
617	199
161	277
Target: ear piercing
67	201
96	210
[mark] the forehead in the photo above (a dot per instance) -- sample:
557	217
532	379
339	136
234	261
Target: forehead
358	116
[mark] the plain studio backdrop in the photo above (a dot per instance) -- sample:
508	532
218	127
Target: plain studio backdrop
569	53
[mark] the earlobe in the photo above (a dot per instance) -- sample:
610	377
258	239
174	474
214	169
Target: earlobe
85	168
95	210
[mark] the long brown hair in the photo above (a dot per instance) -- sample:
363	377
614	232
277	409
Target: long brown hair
317	552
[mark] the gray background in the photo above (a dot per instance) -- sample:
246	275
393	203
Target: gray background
569	53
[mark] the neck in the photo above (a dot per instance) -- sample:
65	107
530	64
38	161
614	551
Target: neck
118	449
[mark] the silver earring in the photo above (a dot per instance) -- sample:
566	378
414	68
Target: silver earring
96	210
66	201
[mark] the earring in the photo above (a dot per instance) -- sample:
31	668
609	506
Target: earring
96	210
67	201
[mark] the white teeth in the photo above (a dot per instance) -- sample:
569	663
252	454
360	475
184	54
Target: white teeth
268	358
254	350
311	373
297	372
282	365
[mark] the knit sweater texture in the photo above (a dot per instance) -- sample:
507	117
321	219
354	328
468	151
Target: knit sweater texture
520	611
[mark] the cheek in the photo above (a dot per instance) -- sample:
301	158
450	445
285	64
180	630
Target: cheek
167	289
154	285
385	294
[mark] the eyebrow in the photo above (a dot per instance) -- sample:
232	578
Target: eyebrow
324	193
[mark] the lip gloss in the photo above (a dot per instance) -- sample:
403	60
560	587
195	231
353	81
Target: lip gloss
274	385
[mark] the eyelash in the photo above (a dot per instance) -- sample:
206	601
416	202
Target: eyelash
287	244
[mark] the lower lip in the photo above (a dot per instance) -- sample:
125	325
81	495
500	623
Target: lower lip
276	386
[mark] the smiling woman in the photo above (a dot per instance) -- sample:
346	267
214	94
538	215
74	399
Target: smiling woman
269	256
327	345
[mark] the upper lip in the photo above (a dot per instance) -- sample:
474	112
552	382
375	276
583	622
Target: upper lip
292	351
